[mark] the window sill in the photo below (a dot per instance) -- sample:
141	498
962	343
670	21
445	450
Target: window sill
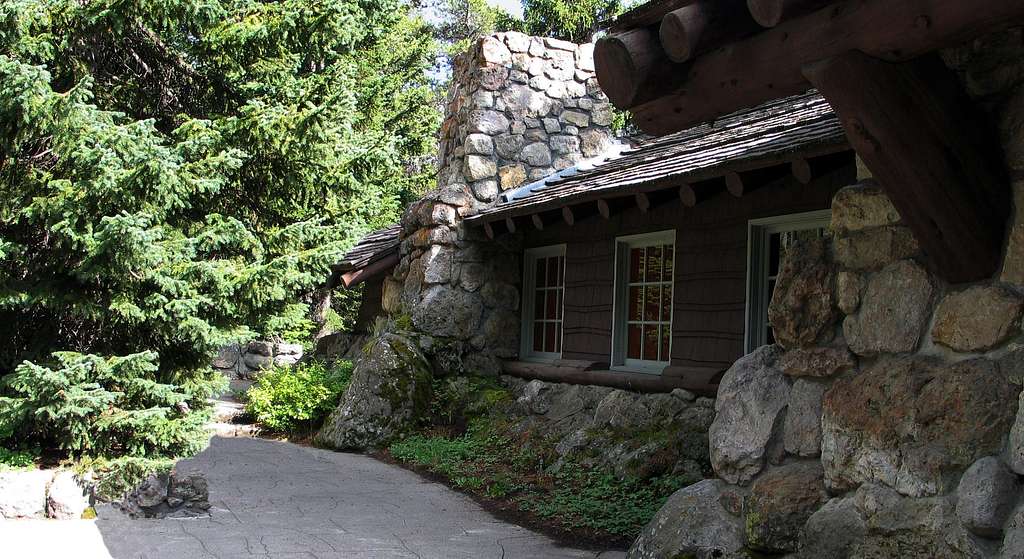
640	369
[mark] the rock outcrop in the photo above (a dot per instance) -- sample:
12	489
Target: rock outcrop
693	523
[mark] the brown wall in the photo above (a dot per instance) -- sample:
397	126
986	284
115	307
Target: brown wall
710	275
370	305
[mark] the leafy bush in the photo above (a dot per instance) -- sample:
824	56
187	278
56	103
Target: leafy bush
94	406
284	398
16	459
115	477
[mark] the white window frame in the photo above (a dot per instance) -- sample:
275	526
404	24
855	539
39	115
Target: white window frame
759	232
619	361
530	257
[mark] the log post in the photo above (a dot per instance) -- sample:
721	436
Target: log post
568	216
538	222
769	13
923	140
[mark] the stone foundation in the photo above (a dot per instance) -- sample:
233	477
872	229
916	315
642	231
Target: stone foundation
886	422
245	361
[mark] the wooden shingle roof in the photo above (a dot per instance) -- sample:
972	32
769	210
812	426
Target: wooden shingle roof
773	133
368	258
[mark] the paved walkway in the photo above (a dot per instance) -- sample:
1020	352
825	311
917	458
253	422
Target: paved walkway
279	500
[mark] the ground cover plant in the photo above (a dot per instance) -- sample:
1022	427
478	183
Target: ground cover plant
471	443
295	400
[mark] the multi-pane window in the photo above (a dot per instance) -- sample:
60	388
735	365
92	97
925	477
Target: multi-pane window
544	291
770	241
644	289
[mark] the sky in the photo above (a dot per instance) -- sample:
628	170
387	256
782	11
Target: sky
514	7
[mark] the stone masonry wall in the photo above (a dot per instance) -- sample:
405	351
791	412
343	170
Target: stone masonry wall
886	420
519	109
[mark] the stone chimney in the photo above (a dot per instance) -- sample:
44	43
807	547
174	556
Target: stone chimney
519	109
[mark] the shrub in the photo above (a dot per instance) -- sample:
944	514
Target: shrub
86	405
284	399
16	459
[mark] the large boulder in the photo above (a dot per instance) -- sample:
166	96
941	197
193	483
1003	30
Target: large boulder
691	524
986	496
448	312
803	307
832	531
860	207
780	503
914	424
67	497
1015	450
978	318
389	392
751	398
23	494
893	312
817	362
874	248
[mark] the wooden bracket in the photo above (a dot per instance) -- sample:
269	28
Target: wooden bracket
926	145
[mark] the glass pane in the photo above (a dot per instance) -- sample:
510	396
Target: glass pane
552	304
552	271
561	271
538	336
636	303
651	343
558	308
558	337
549	337
538	304
633	341
653	263
652	302
666	341
668	253
636	265
666	302
771	336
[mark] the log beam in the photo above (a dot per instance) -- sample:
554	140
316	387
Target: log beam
603	209
489	230
642	201
568	216
769	13
703	26
768	65
626	64
510	224
538	222
923	140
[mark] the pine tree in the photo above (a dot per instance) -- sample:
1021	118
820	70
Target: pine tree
175	174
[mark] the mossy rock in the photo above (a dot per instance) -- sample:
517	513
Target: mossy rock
390	392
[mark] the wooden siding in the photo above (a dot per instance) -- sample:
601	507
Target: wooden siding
710	267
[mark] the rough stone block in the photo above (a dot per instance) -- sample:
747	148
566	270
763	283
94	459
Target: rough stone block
751	398
978	318
480	144
23	494
511	176
478	167
954	416
536	154
691	524
860	207
894	311
872	249
986	496
803	419
780	503
803	310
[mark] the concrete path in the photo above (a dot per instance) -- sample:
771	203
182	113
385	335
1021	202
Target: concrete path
279	500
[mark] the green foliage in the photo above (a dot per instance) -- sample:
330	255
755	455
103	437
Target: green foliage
489	460
17	459
115	477
571	20
93	406
460	22
287	398
175	174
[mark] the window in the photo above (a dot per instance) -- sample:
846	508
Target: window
768	241
543	295
642	333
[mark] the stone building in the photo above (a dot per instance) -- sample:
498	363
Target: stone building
842	268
